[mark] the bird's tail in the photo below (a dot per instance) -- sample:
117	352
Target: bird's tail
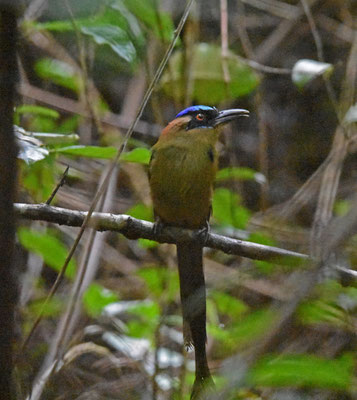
193	300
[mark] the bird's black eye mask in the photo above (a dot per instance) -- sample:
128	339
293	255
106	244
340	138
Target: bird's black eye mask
202	119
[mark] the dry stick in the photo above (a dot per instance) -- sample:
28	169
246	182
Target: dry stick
102	188
60	183
224	42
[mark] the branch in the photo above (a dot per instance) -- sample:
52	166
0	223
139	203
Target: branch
134	228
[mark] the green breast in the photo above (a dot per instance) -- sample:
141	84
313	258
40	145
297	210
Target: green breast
181	180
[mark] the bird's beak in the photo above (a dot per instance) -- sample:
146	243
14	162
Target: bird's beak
229	115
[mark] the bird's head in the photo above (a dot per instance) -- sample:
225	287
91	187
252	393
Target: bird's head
195	118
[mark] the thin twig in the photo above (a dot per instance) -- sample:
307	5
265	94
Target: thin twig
320	55
60	183
224	43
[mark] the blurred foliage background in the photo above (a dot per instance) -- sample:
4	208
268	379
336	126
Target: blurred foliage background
84	69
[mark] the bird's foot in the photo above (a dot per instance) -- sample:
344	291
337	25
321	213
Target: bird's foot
158	227
203	233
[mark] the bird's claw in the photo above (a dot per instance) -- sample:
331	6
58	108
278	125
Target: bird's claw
158	227
203	233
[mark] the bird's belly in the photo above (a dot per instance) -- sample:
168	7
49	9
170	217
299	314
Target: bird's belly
182	192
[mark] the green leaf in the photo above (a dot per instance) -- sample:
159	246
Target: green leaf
141	211
228	305
227	210
303	370
40	178
240	173
242	332
37	110
304	71
160	281
262	238
147	243
314	312
115	27
96	297
113	36
58	72
155	20
88	151
149	314
149	310
209	86
46	245
51	308
139	155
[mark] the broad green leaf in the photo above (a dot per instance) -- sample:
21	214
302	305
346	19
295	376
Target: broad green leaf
96	297
51	308
242	332
88	151
227	304
160	282
116	27
227	210
59	72
157	21
147	243
315	312
38	110
306	70
49	247
209	86
40	178
148	310
262	238
240	173
148	313
303	370
69	124
139	155
113	36
141	211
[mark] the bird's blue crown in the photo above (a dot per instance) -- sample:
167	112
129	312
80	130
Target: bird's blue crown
194	109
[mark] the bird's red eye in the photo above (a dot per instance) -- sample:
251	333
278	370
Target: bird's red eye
200	117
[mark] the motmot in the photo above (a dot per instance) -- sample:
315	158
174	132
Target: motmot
182	171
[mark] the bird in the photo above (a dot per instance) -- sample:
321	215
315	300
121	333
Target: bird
182	171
